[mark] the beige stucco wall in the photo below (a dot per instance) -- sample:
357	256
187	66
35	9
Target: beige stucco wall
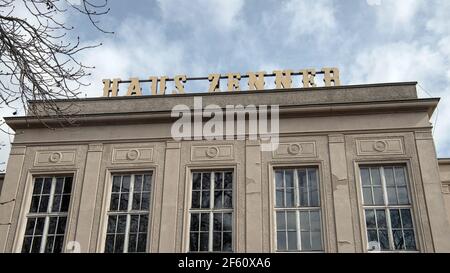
444	172
333	139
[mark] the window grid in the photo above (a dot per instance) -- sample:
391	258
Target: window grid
301	187
384	205
47	217
207	189
128	215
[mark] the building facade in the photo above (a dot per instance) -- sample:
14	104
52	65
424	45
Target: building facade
355	171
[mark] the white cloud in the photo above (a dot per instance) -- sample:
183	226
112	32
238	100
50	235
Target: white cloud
398	15
397	62
203	13
132	54
439	22
309	17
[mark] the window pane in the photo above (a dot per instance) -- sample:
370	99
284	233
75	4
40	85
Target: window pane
280	198
384	241
59	185
36	244
217	222
406	218
304	220
400	177
52	225
367	196
410	241
193	241
137	183
381	218
34	204
303	187
370	218
116	184
68	185
143	223
372	237
145	205
228	182
136	201
56	203
281	220
38	186
313	188
112	219
398	239
205	199
132	243
315	220
134	223
109	244
44	203
142	242
375	175
65	203
289	178
194	221
281	240
279	179
204	222
39	229
26	246
227	222
196	178
58	244
365	176
316	240
228	199
147	182
218	199
123	203
392	196
217	241
395	218
61	225
218	180
114	202
378	196
206	181
402	195
227	241
121	223
389	176
291	220
47	185
30	226
195	199
306	240
290	199
125	183
204	241
118	247
292	240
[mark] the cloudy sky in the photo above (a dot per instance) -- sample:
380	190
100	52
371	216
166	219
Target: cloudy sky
371	41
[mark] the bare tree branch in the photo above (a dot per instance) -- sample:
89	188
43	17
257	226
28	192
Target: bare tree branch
37	59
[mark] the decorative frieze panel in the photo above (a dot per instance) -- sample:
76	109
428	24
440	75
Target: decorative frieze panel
297	149
212	152
380	146
132	155
54	158
446	187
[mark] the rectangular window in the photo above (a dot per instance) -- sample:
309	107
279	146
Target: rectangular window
47	216
387	208
297	208
128	214
211	213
